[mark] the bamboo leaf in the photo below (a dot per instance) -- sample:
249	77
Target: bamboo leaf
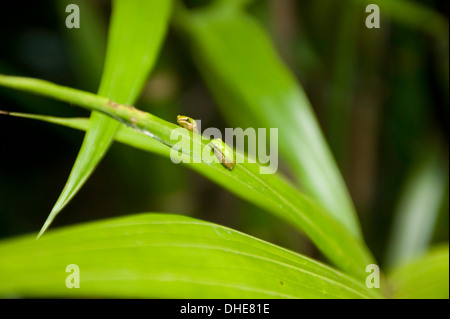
424	278
254	88
136	31
271	192
164	256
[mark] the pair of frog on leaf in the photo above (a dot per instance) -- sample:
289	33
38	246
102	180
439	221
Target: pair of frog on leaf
221	150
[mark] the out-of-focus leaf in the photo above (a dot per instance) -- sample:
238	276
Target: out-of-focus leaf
339	108
253	87
86	45
413	14
417	211
165	256
136	31
424	278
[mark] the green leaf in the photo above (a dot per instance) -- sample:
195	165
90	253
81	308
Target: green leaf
418	210
270	192
423	278
136	32
164	256
254	88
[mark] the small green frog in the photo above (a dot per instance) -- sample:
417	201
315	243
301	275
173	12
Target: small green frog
187	123
224	153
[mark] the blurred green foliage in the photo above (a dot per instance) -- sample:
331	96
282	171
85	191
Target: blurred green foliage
381	97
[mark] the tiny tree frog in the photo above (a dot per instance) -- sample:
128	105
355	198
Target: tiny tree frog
223	152
187	123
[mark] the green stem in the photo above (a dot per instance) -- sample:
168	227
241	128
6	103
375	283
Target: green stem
147	123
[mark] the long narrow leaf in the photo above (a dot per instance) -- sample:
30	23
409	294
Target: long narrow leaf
417	211
270	192
136	32
253	87
164	256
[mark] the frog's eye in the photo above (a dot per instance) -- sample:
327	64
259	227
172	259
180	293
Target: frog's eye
182	119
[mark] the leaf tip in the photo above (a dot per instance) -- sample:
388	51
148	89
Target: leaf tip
41	232
45	226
